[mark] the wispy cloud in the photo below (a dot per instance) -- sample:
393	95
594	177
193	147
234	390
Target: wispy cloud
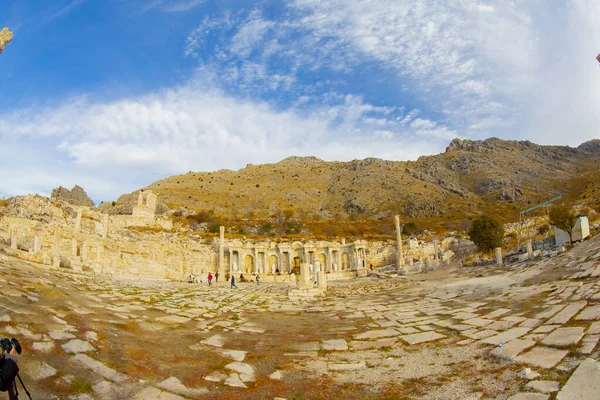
170	5
197	128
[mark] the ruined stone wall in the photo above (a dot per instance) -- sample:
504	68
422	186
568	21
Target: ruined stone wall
84	239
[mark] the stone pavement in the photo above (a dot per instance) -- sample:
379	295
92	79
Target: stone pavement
444	334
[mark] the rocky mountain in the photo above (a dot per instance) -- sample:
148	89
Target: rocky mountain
76	196
5	37
470	178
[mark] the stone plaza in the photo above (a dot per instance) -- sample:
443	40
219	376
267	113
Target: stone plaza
528	330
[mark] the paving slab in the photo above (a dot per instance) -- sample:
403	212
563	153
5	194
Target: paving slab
497	313
506	336
589	313
376	334
347	366
544	357
589	344
544	386
546	328
480	322
335	345
563	337
584	384
565	315
529	396
511	349
372	344
416	338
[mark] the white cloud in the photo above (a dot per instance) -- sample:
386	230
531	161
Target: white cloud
192	127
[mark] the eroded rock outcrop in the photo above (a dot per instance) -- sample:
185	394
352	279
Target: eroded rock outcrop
76	196
5	37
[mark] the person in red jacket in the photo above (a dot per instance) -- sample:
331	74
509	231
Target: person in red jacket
209	279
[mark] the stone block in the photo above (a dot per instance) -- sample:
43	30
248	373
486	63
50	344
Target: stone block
563	337
544	357
584	383
416	338
511	349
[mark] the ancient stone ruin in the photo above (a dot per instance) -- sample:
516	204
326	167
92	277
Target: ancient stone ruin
65	234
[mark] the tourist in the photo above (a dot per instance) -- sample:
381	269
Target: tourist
210	279
242	279
257	280
9	371
371	266
233	282
192	278
217	276
277	271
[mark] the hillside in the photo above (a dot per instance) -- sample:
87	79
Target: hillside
443	191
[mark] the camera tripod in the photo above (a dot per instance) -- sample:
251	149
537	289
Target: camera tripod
13	393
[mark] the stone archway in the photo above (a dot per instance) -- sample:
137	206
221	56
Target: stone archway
273	264
323	261
345	261
248	264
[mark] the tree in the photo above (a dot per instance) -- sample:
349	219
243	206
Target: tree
487	233
564	218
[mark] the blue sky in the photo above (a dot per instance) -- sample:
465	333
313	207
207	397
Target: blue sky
115	94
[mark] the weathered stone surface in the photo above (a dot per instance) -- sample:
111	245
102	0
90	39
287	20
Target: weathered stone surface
376	334
512	348
40	370
544	357
372	344
246	371
59	335
172	319
174	385
416	338
589	313
5	37
347	366
335	344
589	344
237	355
529	396
505	336
563	337
42	346
77	346
100	368
216	341
544	386
584	384
234	380
594	328
76	196
566	314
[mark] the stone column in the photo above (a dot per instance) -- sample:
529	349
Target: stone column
221	251
435	250
37	244
84	251
529	249
105	227
316	270
322	280
399	256
329	260
56	250
305	282
498	252
13	237
78	220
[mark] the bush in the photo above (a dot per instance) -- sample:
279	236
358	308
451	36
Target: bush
487	233
563	217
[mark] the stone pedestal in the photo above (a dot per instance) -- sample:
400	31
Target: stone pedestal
529	249
498	252
322	280
305	282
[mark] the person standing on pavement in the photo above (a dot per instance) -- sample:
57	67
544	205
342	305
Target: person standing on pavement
233	282
210	279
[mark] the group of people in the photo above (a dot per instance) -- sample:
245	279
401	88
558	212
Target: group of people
192	279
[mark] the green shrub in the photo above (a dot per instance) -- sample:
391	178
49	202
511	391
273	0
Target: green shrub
487	233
